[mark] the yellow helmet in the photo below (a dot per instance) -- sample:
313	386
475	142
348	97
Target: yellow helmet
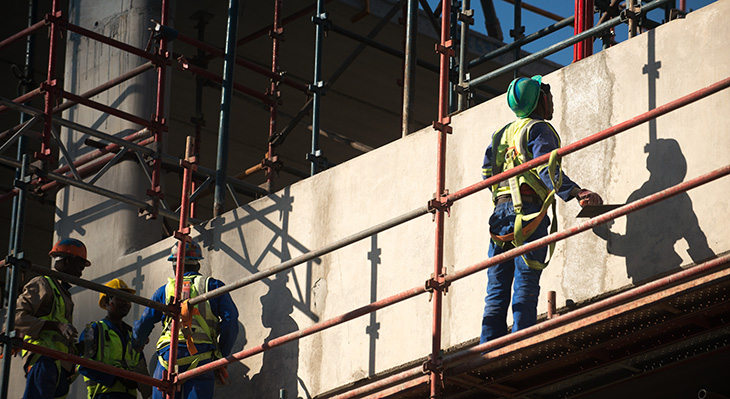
118	284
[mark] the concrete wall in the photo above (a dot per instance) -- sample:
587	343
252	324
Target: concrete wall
591	95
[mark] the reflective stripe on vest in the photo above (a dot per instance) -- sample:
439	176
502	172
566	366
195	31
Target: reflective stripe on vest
48	338
111	351
204	326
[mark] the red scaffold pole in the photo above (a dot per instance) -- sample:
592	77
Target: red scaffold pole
182	235
45	150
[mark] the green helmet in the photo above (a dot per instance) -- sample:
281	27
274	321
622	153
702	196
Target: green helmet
523	94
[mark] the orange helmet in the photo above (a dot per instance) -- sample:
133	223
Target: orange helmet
70	246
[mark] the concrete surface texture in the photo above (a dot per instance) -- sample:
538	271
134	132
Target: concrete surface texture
591	95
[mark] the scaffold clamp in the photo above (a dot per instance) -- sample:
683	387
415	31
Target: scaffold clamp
431	366
439	283
443	125
440	203
446	49
467	17
322	20
13	340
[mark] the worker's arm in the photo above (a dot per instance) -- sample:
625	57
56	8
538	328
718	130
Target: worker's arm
487	164
143	327
35	300
543	140
223	307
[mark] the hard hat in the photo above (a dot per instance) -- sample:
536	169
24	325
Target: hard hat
523	94
70	246
118	284
192	252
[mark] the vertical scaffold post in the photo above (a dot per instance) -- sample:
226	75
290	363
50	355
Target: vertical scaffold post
15	250
182	235
518	33
45	150
155	191
320	18
275	34
446	53
583	22
409	66
229	63
199	118
466	17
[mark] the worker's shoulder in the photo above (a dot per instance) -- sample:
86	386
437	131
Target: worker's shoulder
38	281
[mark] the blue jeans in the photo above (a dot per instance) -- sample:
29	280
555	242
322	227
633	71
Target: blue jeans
44	382
502	276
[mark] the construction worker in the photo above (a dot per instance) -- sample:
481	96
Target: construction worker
521	204
110	341
210	335
44	316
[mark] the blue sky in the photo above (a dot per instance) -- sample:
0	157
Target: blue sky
563	8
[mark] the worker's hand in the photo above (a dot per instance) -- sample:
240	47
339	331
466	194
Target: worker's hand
67	331
129	384
588	197
221	376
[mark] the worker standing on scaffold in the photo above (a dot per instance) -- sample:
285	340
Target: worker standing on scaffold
521	204
208	336
45	315
110	341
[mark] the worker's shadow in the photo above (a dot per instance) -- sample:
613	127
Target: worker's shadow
652	232
280	365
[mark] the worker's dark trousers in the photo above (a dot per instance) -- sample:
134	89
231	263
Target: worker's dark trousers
200	387
501	277
44	382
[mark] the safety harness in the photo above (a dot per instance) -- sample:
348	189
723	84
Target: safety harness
111	350
509	149
199	324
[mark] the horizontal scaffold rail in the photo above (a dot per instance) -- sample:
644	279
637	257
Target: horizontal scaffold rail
87	284
511	254
451	198
562	45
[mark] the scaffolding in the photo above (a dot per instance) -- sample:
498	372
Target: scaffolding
196	178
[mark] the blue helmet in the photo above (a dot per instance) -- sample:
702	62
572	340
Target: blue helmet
192	252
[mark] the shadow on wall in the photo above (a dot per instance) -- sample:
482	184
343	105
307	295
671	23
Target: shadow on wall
651	233
280	365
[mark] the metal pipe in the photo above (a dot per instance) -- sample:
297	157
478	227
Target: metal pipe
578	28
16	250
551	306
93	364
310	255
155	191
627	297
594	138
88	94
276	342
105	108
630	296
559	46
281	136
263	31
409	67
274	92
45	150
521	42
185	65
445	54
22	99
517	33
240	61
379	46
224	124
463	50
317	86
598	220
94	189
538	11
465	192
95	286
182	235
23	33
115	43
